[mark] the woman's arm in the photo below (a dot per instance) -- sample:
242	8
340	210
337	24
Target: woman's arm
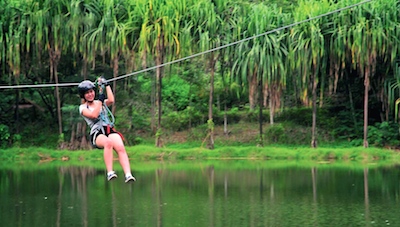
110	96
95	112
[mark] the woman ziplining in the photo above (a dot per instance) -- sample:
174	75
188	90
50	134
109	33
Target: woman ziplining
102	132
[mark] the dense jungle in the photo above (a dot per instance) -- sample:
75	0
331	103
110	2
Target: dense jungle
203	72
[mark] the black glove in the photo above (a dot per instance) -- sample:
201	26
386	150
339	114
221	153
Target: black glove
102	81
102	97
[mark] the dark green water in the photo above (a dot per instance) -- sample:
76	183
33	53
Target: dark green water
224	193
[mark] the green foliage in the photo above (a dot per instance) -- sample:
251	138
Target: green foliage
349	126
298	116
210	124
159	133
250	115
233	115
192	117
47	139
16	138
61	138
383	134
275	134
356	142
176	92
286	5
130	33
70	116
288	133
177	121
338	123
4	135
138	120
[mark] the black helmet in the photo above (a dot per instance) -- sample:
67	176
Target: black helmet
85	86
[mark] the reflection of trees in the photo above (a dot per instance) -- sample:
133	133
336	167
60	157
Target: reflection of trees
114	206
314	183
158	192
210	179
215	196
314	187
79	182
366	197
60	186
207	187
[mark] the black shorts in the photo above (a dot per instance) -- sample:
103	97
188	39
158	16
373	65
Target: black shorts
107	130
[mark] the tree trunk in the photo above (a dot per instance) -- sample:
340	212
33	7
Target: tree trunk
225	119
210	104
16	111
153	107
260	116
271	111
85	144
253	82
225	94
54	55
152	96
84	70
159	72
60	129
314	111
366	89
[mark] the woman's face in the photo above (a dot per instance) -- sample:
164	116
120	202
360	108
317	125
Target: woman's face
89	95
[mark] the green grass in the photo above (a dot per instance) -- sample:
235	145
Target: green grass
175	153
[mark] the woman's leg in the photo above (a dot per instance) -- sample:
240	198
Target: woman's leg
103	141
119	147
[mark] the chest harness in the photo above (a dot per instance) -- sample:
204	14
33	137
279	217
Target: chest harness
105	116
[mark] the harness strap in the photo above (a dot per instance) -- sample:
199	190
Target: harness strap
105	119
109	130
120	134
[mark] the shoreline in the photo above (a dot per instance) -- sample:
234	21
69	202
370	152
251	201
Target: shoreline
149	153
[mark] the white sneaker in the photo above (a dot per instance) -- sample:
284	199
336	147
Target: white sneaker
129	179
111	176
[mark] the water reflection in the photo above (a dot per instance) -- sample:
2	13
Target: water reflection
201	194
78	182
366	199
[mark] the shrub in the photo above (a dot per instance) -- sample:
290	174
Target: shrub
383	134
275	134
4	135
182	120
17	138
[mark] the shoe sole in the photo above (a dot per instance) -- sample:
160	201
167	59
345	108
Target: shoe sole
111	178
130	180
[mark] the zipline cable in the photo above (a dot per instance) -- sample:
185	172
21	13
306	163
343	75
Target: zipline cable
193	55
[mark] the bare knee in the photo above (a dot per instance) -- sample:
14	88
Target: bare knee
118	144
108	143
119	148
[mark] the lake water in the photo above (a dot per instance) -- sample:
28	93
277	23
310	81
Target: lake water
188	193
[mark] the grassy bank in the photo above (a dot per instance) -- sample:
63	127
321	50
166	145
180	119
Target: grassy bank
171	153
